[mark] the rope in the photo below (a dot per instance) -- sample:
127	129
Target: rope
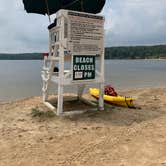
126	102
128	105
109	4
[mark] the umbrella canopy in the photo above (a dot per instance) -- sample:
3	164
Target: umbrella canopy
52	6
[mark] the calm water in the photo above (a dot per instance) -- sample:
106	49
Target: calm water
19	79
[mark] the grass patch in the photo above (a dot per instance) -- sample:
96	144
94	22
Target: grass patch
36	112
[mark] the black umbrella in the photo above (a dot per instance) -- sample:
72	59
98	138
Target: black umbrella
52	6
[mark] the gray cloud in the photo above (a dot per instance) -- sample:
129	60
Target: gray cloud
128	22
21	32
136	22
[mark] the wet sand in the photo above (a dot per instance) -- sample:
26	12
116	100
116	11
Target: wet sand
114	137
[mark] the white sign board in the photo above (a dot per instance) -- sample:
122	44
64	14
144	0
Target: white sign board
84	32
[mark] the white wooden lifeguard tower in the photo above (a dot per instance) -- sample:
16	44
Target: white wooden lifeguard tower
79	38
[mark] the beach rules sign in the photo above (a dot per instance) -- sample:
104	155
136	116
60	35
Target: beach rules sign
83	67
82	32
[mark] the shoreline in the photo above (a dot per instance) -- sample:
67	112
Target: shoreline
86	93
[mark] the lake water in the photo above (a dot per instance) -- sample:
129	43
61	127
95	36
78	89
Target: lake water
20	79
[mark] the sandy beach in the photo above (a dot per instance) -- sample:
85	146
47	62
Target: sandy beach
114	137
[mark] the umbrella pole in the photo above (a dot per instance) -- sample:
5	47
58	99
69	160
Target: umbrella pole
82	7
48	12
49	18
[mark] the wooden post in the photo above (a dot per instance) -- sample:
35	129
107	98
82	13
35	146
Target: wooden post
61	81
101	93
80	90
61	70
60	99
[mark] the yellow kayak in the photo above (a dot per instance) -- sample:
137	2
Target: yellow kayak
116	100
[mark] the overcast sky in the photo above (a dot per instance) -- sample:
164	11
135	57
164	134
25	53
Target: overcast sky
128	22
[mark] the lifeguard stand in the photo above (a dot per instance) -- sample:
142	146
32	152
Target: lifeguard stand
79	38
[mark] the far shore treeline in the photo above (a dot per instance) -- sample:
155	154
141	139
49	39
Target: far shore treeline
128	52
136	52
